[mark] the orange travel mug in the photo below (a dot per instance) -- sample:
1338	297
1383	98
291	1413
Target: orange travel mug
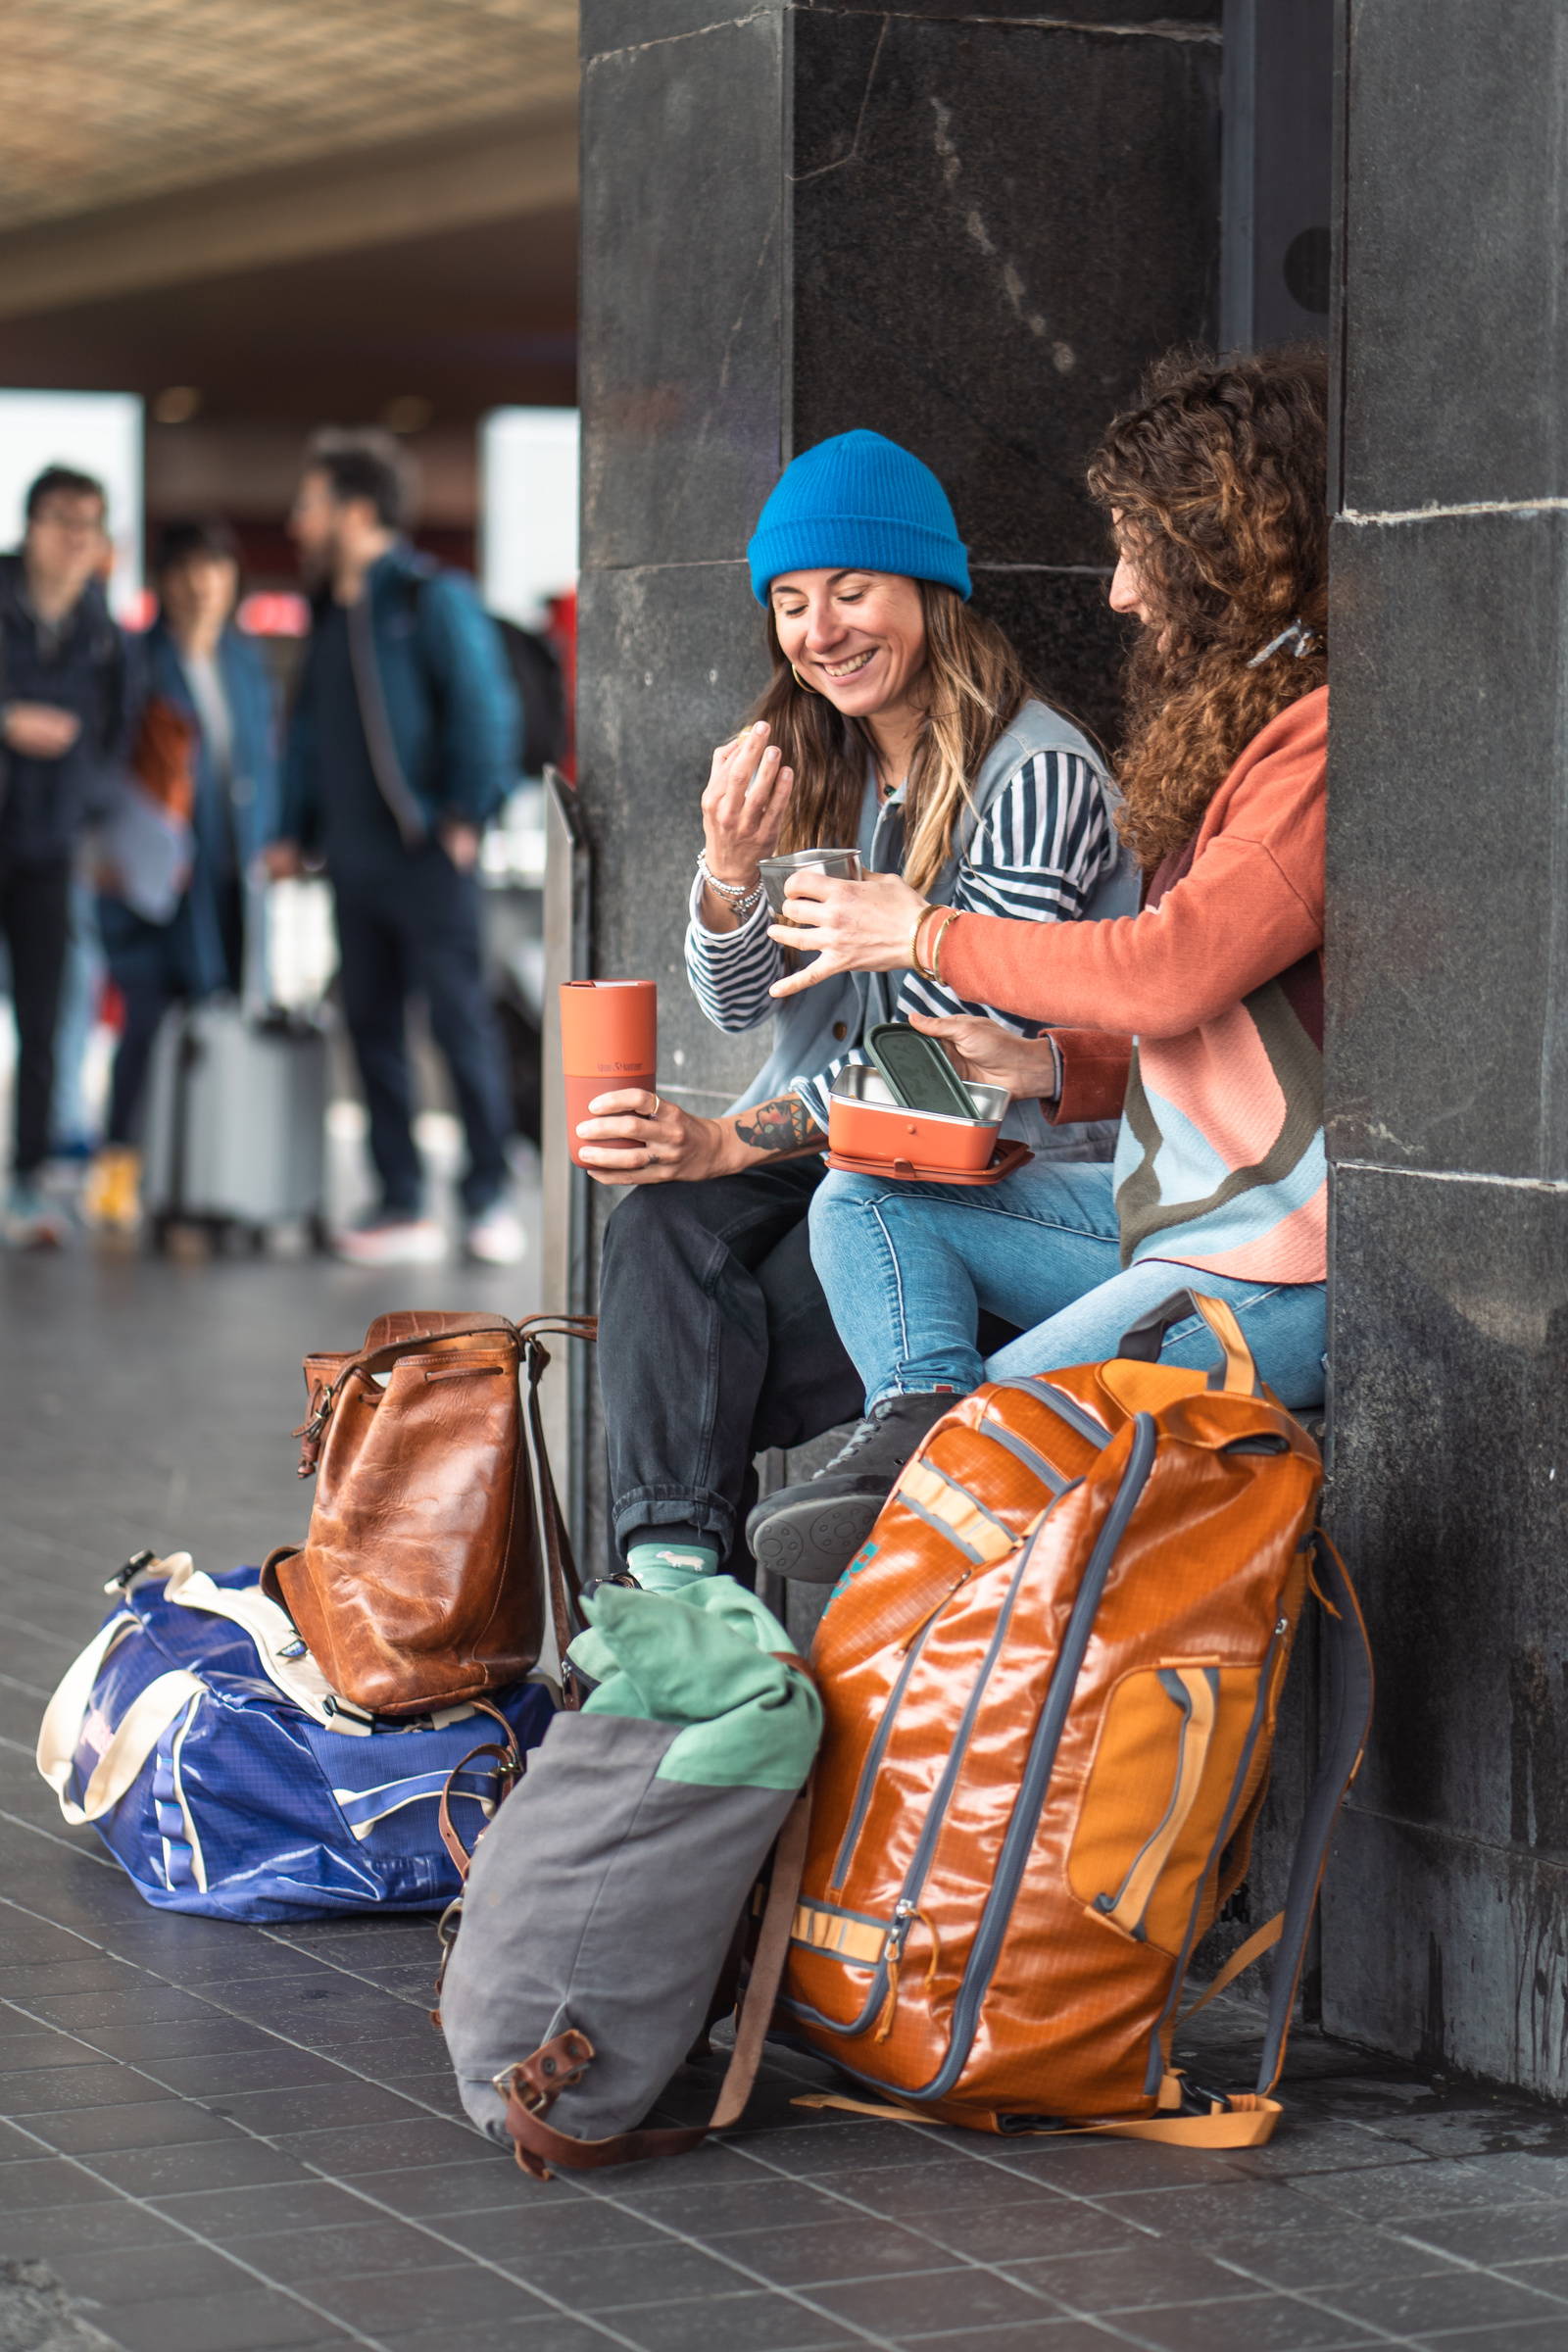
608	1040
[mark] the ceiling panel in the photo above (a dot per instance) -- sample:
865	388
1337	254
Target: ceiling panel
107	101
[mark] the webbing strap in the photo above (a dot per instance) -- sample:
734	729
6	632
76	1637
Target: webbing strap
1246	2120
1241	1960
1348	1713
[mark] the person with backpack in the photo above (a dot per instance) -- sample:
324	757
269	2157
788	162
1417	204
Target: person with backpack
401	746
896	720
1200	1019
64	701
204	756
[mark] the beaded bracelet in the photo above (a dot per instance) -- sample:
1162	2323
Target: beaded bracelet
741	897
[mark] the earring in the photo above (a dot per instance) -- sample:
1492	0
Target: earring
802	683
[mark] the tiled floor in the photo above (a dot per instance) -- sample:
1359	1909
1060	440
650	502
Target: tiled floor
223	2138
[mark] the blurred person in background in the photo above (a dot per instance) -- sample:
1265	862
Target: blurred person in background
401	746
206	750
64	701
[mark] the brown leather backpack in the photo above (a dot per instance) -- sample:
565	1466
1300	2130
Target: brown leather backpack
421	1580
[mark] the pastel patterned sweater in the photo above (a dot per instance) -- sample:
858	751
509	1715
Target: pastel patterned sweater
1201	1018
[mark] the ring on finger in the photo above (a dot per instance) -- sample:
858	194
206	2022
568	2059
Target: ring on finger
657	1106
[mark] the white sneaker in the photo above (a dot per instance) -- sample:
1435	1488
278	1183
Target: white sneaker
31	1220
495	1237
379	1240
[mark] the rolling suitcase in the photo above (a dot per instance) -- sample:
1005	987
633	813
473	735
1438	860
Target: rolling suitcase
236	1121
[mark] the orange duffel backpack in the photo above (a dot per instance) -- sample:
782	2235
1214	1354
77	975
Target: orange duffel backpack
1051	1679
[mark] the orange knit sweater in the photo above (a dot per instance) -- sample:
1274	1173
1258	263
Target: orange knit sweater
1198	1020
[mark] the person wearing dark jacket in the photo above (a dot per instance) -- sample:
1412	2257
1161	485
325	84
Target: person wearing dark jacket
206	691
65	698
402	745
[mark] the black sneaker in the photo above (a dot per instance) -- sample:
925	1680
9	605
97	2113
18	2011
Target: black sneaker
813	1531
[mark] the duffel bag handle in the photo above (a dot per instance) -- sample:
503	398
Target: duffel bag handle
1142	1342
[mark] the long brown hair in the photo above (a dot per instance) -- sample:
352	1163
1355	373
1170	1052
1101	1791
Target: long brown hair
1218	476
974	686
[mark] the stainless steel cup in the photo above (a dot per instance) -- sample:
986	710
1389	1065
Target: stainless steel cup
775	872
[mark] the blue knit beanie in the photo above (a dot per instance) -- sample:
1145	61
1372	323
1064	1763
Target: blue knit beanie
858	503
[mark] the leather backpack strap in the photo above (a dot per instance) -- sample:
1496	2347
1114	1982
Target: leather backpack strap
560	1566
416	1322
509	1768
533	2087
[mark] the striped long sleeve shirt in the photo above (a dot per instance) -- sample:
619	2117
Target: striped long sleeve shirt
1045	843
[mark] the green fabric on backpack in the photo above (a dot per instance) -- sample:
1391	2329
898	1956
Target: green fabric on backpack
700	1658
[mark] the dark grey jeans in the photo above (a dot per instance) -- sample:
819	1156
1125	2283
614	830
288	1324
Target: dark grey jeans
714	1342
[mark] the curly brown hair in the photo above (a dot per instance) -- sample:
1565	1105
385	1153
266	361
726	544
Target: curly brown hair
1218	480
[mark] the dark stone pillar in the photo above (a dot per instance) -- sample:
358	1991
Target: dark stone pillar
964	227
1447	1904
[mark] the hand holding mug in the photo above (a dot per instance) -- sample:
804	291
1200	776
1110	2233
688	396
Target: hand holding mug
864	926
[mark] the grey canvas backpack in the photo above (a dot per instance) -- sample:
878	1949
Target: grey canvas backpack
613	1886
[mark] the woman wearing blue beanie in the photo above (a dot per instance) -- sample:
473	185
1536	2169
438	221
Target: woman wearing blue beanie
898	721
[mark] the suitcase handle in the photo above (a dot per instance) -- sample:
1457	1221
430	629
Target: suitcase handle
1142	1342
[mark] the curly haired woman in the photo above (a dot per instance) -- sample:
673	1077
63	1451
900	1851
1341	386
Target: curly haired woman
1200	1019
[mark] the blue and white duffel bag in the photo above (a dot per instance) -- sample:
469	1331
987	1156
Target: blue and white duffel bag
197	1736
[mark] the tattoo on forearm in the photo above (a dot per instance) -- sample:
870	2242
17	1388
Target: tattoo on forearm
780	1128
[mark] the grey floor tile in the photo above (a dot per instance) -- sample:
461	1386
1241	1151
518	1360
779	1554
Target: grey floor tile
833	2146
44	2047
342	2251
211	2164
452	2296
413	2140
55	2090
1012	2233
762	2203
910	2189
855	2246
94	1973
230	2215
1033	2335
156	2122
1091	2168
1130	2278
935	2302
251	2319
86	2228
619	2277
1238	2209
518	2236
279	2067
1514	2336
744	2323
311	2107
1334	2256
1430	2185
1268	2324
21	2144
211	2036
491	2178
51	2181
1495	2233
555	2333
1437	2303
148	2274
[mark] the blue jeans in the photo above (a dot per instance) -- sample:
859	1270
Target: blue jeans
907	1268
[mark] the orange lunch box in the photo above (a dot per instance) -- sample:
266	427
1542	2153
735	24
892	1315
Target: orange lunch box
865	1124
